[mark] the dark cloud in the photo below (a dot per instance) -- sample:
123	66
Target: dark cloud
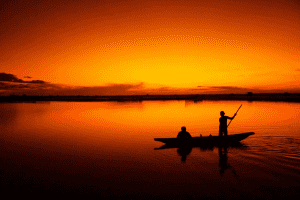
223	89
29	88
12	78
201	88
227	88
10	84
220	87
19	86
35	81
27	77
111	89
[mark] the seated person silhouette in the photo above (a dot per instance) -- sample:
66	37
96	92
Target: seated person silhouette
183	134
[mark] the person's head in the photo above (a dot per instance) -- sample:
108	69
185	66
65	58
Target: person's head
183	128
222	113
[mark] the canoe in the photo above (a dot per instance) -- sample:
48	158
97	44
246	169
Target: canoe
209	140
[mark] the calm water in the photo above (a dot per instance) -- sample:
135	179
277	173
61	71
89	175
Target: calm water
107	149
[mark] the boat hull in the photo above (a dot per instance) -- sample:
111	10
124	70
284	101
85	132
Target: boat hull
210	140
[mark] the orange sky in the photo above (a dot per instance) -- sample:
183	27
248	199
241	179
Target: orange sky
124	47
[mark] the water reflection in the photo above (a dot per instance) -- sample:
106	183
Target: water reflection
191	102
223	160
8	114
184	152
111	144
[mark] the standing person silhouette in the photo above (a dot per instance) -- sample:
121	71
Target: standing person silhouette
223	123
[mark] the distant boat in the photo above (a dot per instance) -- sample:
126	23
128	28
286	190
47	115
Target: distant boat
205	141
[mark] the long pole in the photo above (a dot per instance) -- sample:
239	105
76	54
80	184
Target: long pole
235	114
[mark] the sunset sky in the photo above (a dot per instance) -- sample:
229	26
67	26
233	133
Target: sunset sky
115	47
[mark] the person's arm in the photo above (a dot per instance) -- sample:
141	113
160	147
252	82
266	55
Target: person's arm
232	117
178	136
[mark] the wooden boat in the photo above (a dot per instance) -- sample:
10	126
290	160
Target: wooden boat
209	140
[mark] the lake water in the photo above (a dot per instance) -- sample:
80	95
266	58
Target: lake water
106	149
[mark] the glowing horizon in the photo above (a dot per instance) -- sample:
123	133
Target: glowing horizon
151	45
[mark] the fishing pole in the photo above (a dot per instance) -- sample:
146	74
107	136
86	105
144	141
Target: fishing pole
235	114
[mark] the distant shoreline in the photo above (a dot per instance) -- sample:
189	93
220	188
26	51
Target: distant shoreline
285	97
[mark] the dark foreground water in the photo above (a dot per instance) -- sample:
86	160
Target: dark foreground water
106	149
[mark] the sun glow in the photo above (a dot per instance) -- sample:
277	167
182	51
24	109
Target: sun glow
179	44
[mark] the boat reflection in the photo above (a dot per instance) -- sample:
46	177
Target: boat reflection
185	150
223	163
182	150
223	160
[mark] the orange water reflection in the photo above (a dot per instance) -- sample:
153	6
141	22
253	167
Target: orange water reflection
126	129
110	144
132	123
